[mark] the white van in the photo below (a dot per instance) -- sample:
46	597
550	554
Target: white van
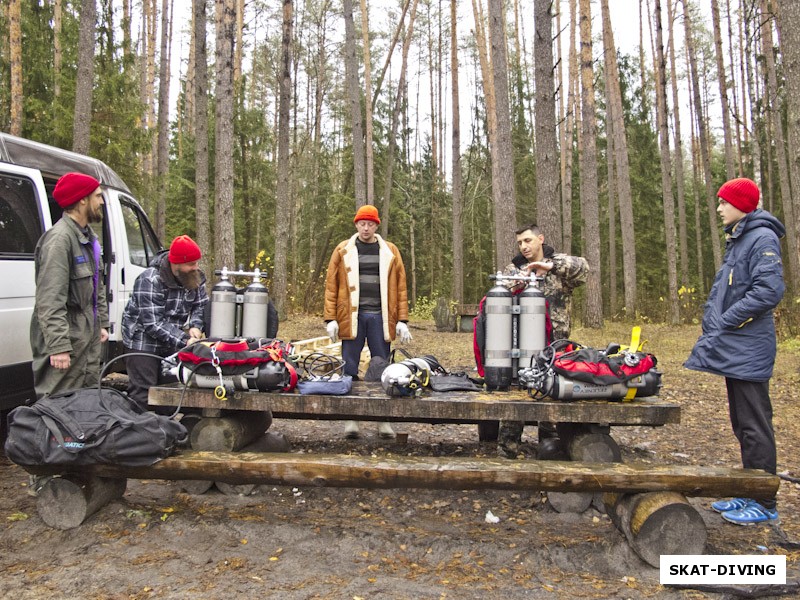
28	173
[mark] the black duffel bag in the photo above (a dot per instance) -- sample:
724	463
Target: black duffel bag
90	426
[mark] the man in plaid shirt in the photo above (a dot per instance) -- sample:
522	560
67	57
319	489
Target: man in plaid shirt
164	314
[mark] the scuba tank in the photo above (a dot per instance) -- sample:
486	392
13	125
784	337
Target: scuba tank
559	387
223	308
254	311
498	366
531	337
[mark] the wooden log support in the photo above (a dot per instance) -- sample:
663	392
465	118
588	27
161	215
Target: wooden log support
230	432
66	502
196	487
658	523
453	473
368	402
588	446
269	442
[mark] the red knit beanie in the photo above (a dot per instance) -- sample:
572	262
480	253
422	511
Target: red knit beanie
741	193
73	187
367	213
184	249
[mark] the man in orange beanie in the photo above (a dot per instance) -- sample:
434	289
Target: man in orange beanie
70	314
166	312
366	298
738	340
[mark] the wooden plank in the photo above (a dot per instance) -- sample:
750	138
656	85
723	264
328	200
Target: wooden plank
452	473
369	402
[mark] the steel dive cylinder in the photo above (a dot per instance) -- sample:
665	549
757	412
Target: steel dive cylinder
223	308
532	334
254	310
498	367
559	387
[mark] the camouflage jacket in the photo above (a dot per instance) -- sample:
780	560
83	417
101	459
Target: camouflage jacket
568	272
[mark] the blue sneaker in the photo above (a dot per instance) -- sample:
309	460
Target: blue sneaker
751	514
722	506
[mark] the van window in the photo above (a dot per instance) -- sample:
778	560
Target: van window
142	242
20	223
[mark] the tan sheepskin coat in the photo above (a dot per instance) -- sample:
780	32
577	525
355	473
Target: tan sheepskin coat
342	288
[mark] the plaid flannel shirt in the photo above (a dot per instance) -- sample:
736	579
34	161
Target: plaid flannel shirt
160	310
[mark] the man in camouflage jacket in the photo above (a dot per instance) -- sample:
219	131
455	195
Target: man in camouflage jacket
561	274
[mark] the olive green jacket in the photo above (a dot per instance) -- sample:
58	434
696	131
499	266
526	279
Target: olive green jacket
64	315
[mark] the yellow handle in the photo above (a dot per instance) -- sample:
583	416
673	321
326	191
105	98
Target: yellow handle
220	393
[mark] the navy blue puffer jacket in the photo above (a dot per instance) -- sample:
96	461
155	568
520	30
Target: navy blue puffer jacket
738	339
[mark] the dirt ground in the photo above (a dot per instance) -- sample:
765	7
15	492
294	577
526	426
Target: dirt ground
284	542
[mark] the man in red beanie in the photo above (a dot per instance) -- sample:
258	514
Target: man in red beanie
166	312
70	314
738	339
366	298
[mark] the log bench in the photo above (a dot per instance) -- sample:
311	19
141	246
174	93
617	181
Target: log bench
585	426
465	313
646	502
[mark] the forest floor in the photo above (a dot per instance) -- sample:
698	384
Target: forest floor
284	542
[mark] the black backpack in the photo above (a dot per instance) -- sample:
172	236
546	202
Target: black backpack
90	426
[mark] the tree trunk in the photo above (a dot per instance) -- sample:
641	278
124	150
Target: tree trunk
162	160
645	93
705	151
354	100
568	144
548	213
224	246
81	126
458	203
589	201
390	51
398	106
730	171
673	314
783	163
368	107
237	51
751	68
127	50
15	49
697	190
283	204
58	55
151	17
201	199
683	244
789	28
620	159
503	194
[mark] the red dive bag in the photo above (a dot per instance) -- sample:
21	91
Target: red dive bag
247	364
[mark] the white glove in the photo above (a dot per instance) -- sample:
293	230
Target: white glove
402	332
333	331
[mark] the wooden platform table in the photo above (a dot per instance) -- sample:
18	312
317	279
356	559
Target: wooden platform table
368	402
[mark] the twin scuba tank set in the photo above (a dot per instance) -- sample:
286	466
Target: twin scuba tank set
238	354
515	329
239	313
516	350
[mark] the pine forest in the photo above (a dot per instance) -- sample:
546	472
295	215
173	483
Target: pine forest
258	127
